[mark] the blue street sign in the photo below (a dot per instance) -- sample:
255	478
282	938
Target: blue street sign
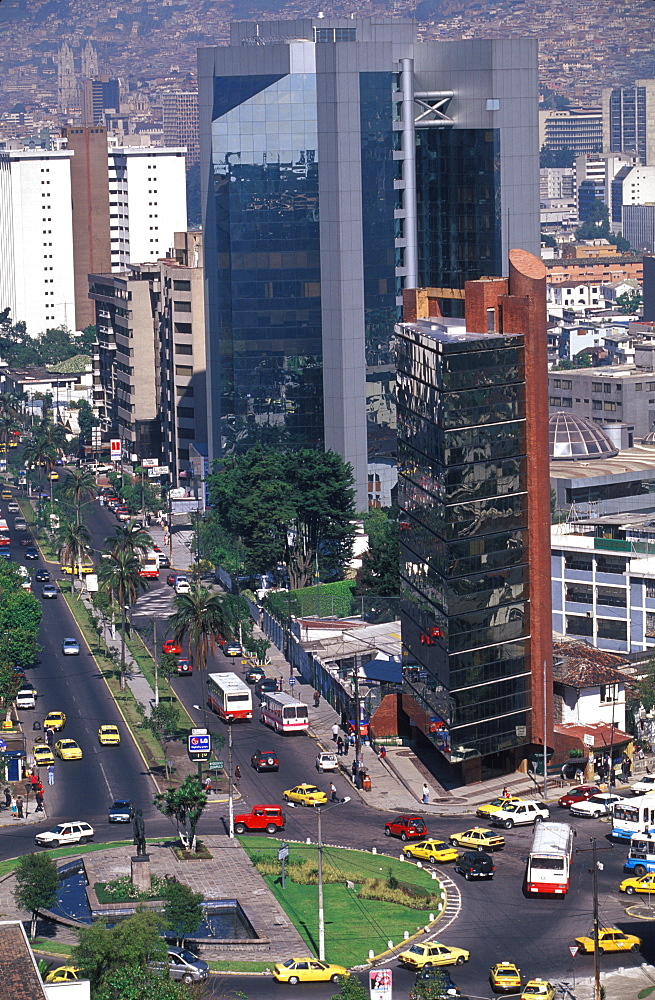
200	743
292	681
3	745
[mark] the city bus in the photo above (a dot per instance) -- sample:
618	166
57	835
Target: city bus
230	697
283	713
149	565
632	816
549	861
641	856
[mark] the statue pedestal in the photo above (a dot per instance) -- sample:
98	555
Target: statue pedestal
141	872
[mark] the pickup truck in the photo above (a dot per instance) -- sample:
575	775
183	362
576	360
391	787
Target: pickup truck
268	818
519	814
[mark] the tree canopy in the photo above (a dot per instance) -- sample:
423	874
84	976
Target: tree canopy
132	983
184	805
19	348
379	575
182	909
290	507
36	885
102	952
630	302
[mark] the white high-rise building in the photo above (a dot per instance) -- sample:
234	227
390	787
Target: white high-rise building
36	238
147	202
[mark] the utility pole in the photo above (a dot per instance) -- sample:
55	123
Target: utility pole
155	656
358	728
545	733
230	791
594	881
321	905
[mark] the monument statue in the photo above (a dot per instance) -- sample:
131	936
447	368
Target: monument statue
139	830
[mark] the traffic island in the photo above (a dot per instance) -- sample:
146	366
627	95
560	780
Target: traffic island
372	903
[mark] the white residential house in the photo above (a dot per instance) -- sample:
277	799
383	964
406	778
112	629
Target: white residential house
589	687
573	296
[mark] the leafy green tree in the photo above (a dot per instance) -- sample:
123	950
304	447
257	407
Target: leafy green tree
549	241
127	539
87	421
430	989
88	339
141	984
630	302
102	952
36	885
182	909
380	572
645	688
163	722
120	579
556	157
199	618
74	540
350	989
168	665
295	507
184	805
20	618
78	487
9	685
55	345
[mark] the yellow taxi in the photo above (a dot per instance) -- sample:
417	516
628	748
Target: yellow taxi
644	883
86	568
54	720
479	839
6	495
609	939
539	988
13	443
64	974
505	977
109	735
307	970
431	850
54	476
42	754
428	953
306	795
68	750
495	805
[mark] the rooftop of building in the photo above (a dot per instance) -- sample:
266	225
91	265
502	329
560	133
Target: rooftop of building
79	364
617	372
355	637
630	460
581	666
603	734
20	976
446	330
575	438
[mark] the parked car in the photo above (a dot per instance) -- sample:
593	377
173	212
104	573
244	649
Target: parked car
183	965
265	760
475	866
645	784
232	649
268	818
407	827
76	832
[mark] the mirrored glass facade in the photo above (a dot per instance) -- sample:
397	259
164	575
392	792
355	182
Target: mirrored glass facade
268	320
463	500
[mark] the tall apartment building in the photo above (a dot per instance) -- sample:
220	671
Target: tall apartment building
36	239
631	186
347	160
90	208
629	120
150	385
183	366
577	129
147	202
180	120
99	95
475	518
639	227
594	177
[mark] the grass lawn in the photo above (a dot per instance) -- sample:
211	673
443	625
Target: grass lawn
352	925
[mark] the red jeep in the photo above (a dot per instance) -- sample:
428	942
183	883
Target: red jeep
269	818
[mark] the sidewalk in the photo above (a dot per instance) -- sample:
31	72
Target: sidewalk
179	549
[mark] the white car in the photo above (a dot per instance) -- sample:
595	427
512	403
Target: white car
66	833
519	814
182	586
70	647
13	507
596	806
644	785
327	762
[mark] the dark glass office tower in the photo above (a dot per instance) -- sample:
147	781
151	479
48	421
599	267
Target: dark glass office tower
475	536
343	161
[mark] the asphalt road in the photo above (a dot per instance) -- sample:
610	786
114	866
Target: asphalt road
496	921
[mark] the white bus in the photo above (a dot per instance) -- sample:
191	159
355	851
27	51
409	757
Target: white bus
633	816
549	861
229	697
641	856
283	713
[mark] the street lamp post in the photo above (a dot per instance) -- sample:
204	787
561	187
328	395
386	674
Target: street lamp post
321	904
230	830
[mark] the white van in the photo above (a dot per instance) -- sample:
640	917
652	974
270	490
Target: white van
26	697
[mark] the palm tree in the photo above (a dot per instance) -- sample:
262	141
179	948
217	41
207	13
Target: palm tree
200	618
127	539
47	444
74	542
120	579
79	486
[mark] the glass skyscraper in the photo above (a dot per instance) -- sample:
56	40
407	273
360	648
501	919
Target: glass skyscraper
343	161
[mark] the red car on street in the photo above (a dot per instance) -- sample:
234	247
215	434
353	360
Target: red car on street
171	646
406	827
579	794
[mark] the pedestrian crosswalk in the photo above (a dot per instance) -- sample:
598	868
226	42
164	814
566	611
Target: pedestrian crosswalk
156	603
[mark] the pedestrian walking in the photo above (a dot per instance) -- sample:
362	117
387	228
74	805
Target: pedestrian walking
237	774
39	802
208	786
351	739
505	792
317	699
19	806
14	808
339	746
51	774
333	791
425	798
7	798
34	780
382	753
335	732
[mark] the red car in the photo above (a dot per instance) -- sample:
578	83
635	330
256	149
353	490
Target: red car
171	646
184	666
170	579
579	794
406	827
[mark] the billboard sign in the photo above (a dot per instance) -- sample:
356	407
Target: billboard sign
115	449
